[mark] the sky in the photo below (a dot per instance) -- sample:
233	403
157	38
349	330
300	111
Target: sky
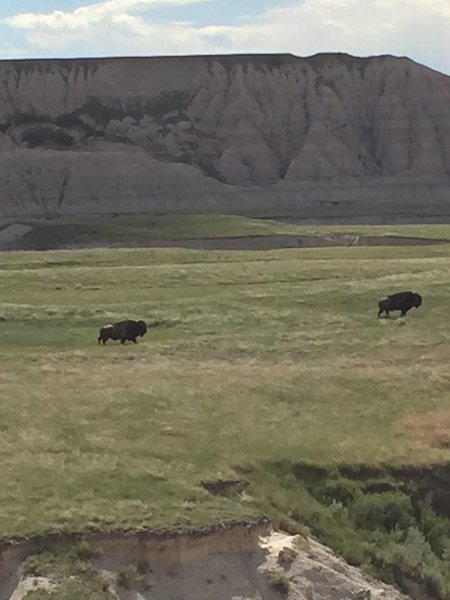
419	29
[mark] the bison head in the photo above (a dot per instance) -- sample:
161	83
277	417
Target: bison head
417	300
142	328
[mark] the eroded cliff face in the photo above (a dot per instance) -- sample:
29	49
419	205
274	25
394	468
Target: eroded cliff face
218	133
226	564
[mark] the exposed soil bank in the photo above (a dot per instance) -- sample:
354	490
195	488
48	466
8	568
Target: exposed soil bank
274	566
177	547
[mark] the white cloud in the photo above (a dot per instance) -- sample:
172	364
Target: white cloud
416	28
86	15
9	51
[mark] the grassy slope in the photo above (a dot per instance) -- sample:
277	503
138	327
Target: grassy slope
253	356
142	229
420	231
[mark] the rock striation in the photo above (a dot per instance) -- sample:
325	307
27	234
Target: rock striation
265	134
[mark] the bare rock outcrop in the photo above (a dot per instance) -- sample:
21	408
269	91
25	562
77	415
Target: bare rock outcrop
264	133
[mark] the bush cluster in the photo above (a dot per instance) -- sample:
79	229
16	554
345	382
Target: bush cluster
388	533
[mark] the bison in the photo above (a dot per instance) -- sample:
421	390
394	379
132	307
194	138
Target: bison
123	331
403	301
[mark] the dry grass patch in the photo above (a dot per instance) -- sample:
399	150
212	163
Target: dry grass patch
431	429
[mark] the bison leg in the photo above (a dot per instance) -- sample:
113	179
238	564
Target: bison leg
123	340
134	340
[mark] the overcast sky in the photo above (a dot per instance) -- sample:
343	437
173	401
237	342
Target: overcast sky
419	29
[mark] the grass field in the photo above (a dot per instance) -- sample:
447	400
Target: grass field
250	357
144	229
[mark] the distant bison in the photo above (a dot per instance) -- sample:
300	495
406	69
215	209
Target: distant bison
402	301
123	331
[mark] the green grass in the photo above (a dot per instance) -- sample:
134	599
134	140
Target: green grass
420	231
145	229
251	357
142	229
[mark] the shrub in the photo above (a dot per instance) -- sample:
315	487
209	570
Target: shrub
22	118
385	511
406	557
128	577
40	135
83	551
437	532
62	563
339	490
74	589
279	582
302	543
286	557
39	565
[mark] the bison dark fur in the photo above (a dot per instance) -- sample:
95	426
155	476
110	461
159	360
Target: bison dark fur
403	301
123	331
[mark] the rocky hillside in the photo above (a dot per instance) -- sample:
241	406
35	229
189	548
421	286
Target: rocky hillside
266	133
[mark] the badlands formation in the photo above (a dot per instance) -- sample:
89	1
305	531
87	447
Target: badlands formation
264	134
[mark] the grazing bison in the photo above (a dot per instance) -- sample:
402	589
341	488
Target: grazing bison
123	331
402	301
